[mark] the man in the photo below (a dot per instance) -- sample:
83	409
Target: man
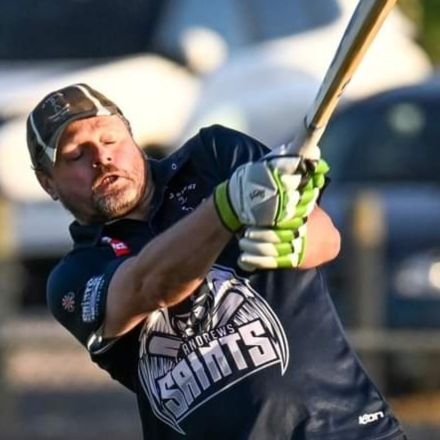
156	287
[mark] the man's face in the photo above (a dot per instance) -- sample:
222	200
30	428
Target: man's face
99	172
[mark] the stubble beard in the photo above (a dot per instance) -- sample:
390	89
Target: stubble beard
116	204
105	207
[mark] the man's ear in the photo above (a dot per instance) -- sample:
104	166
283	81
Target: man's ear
47	183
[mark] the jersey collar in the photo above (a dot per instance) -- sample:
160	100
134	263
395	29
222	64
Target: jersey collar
162	172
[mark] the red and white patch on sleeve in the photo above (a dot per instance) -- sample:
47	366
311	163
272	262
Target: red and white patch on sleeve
119	247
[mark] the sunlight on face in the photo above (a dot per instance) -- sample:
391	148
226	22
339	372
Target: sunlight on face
100	172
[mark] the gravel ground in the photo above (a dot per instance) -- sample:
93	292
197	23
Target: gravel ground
73	415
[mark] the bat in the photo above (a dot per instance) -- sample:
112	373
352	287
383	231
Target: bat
364	24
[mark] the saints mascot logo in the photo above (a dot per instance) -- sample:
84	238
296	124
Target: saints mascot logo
229	332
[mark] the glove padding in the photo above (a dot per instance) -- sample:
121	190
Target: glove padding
272	248
268	192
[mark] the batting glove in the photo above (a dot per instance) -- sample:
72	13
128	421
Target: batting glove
263	248
309	192
283	246
263	193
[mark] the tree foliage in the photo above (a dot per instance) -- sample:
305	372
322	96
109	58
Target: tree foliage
426	15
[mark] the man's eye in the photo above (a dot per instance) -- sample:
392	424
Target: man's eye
73	156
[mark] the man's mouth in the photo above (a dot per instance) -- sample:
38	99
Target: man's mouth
106	181
109	179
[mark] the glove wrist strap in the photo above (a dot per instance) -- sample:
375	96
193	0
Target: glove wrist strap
224	208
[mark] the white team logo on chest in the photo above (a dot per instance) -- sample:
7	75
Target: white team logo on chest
181	197
185	360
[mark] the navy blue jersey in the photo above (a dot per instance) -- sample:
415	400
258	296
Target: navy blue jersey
259	356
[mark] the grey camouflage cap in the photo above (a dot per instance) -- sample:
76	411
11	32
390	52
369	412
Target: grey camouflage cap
50	117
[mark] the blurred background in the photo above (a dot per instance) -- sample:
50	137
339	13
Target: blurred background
173	67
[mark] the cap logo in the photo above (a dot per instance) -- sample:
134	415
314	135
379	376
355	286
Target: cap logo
59	107
53	114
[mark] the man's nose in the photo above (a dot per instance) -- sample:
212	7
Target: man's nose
101	156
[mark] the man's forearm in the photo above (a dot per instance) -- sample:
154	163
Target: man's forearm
323	240
172	265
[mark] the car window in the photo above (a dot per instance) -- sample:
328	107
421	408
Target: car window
385	142
50	29
245	22
47	29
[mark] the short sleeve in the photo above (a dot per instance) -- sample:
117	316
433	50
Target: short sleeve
77	291
230	148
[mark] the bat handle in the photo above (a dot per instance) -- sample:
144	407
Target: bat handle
305	144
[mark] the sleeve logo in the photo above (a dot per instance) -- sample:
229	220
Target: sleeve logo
68	302
92	299
119	247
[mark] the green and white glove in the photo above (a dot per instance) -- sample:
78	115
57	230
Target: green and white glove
272	248
309	191
263	193
283	246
